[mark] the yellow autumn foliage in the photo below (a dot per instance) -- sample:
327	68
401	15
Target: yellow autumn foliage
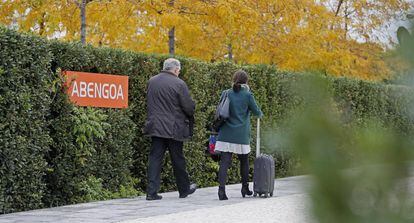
336	37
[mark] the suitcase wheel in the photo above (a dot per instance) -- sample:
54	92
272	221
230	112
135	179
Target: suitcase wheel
265	195
254	194
271	194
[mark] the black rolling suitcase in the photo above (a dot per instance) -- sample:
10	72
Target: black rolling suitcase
264	171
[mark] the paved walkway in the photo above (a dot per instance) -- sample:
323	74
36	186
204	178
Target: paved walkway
290	205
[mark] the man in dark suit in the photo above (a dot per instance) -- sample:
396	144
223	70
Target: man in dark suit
169	111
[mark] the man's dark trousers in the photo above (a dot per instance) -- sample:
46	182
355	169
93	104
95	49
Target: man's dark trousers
156	157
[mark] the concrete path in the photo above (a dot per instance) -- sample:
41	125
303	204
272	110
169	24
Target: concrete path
289	204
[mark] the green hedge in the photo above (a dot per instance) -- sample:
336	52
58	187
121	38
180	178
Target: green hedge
25	101
53	153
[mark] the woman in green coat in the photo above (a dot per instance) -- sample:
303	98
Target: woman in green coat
234	134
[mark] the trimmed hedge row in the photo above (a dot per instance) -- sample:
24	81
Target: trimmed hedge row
53	153
24	107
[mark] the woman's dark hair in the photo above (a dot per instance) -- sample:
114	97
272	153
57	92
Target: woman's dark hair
239	78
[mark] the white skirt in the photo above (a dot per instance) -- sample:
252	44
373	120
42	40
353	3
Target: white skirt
232	147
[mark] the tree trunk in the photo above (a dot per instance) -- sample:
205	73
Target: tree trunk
230	51
338	8
171	41
42	25
83	21
346	21
171	35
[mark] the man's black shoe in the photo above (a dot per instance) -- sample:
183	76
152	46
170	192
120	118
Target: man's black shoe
153	197
193	188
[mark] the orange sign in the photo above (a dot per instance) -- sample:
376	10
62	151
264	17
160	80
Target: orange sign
97	90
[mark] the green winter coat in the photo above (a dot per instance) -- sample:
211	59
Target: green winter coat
236	129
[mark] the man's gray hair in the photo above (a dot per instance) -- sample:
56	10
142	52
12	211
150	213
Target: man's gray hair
171	64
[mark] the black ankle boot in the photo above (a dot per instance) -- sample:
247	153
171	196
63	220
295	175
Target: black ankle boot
153	197
222	194
245	190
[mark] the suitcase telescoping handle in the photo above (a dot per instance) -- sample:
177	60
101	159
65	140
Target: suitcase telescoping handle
258	138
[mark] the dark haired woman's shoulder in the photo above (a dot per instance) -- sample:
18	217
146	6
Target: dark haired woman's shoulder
246	92
227	91
249	94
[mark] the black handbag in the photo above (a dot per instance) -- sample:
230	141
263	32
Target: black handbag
222	111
